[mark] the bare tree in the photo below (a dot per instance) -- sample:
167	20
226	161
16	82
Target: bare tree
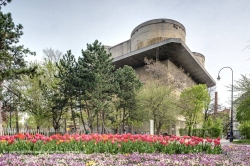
211	106
52	55
158	71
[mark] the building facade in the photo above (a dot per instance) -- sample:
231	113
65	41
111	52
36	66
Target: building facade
163	40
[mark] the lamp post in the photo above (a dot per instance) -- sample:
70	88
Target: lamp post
231	121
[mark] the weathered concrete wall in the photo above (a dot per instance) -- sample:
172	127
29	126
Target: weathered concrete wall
120	49
154	31
175	74
179	74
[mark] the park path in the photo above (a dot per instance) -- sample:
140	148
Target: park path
226	142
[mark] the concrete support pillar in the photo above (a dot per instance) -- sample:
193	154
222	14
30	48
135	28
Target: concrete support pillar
151	127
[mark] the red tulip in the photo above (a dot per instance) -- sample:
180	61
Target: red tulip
11	141
33	140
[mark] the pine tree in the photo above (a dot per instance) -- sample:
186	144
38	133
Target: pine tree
12	63
126	84
67	76
97	66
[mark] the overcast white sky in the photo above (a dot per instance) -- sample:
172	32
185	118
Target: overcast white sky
219	29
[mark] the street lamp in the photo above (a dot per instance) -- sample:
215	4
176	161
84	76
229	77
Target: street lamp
231	122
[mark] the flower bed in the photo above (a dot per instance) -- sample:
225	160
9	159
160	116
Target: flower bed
231	156
107	143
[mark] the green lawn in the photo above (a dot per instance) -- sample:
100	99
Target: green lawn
243	142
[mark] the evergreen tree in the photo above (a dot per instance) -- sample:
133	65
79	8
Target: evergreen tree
97	66
12	63
84	85
68	84
126	85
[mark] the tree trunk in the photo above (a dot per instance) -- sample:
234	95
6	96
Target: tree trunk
97	123
117	117
10	121
120	122
91	127
17	125
123	122
37	128
102	131
90	117
158	129
73	114
83	123
81	117
55	125
115	131
189	130
65	125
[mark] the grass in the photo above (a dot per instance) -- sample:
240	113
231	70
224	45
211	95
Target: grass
243	142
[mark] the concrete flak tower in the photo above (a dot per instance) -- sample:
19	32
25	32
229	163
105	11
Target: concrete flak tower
164	40
154	31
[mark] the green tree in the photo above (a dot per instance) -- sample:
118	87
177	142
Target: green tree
225	121
193	101
54	100
12	63
97	65
67	76
85	81
242	87
244	128
242	102
158	96
126	85
11	103
158	103
210	108
243	110
32	96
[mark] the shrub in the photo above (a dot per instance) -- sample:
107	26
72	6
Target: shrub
244	129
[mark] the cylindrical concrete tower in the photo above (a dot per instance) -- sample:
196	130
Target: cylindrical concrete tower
200	58
154	31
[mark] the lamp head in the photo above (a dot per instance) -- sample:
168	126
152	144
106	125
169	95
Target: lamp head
218	78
